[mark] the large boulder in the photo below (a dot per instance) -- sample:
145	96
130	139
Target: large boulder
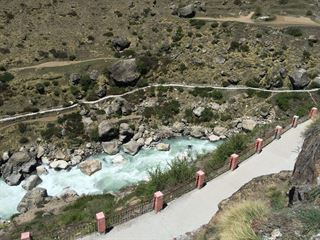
120	43
89	167
31	182
17	167
198	111
107	131
187	11
299	79
248	124
221	131
32	199
197	131
119	106
40	151
111	147
131	147
178	127
125	72
126	133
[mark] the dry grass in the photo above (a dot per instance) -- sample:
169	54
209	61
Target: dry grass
236	222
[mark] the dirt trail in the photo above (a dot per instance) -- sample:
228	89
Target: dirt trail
280	20
59	64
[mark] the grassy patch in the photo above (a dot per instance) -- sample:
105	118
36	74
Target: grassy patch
207	93
235	223
235	144
179	171
311	218
277	198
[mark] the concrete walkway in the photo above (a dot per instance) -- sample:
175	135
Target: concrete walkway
196	208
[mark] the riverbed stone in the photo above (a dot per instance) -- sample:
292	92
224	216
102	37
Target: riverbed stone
59	164
31	182
32	199
196	131
75	160
5	156
178	127
41	170
219	130
131	147
213	138
17	167
60	155
40	151
89	167
163	147
148	141
111	147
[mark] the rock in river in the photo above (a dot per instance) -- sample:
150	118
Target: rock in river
89	167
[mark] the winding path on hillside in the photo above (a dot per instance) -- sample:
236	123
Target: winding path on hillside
54	64
196	208
55	111
280	20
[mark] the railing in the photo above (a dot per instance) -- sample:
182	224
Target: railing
128	213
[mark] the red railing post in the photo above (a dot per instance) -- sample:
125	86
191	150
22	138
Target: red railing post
278	132
313	113
259	145
200	176
158	201
294	122
101	222
25	236
233	161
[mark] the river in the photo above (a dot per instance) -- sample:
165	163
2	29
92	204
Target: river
112	177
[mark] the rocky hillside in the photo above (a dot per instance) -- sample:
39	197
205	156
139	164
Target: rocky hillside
307	168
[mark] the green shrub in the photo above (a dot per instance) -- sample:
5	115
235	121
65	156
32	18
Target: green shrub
198	24
310	217
283	2
277	199
22	127
146	62
167	110
86	83
6	77
40	88
30	109
178	35
294	31
178	171
51	131
94	135
235	144
254	83
207	93
73	125
23	140
214	24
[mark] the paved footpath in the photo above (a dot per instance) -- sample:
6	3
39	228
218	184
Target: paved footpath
196	208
